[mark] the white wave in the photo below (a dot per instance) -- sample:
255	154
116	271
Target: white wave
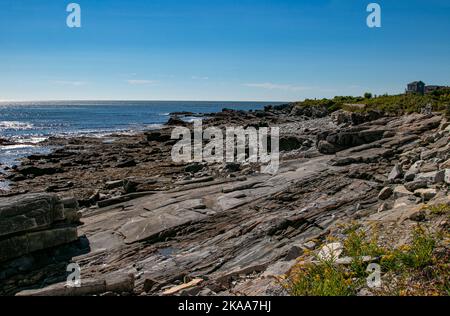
32	140
15	125
18	146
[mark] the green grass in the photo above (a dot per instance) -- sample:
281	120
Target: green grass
417	255
357	247
389	104
326	278
439	209
322	279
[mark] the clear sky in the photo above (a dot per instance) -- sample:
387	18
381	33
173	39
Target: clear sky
274	50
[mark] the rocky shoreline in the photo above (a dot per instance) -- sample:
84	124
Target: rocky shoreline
144	225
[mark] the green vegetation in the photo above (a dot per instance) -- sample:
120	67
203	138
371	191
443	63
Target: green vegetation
439	209
390	104
322	279
418	254
405	264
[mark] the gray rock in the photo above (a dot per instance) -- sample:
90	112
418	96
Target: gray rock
385	193
310	245
383	208
396	173
415	185
433	177
425	194
113	184
413	170
419	216
447	176
30	212
400	191
326	148
17	246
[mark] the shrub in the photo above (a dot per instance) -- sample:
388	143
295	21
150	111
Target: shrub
322	279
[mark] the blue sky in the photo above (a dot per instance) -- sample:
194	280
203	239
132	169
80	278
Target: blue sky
219	49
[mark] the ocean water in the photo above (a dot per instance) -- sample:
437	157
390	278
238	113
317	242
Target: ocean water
29	123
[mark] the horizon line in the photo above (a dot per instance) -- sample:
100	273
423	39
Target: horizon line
142	100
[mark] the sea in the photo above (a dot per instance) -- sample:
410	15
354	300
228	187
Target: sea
28	124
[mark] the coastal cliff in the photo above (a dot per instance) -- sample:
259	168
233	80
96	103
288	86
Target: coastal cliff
164	228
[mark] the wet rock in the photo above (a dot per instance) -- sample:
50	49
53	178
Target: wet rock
175	121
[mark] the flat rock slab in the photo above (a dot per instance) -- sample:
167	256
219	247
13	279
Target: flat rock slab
160	221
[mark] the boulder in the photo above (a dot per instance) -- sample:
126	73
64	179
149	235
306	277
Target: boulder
385	193
194	168
433	177
331	251
38	171
16	246
232	167
425	194
413	170
157	137
126	163
445	164
415	185
135	184
33	222
289	143
400	191
396	173
30	212
113	184
326	148
310	111
175	121
117	283
447	176
342	117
